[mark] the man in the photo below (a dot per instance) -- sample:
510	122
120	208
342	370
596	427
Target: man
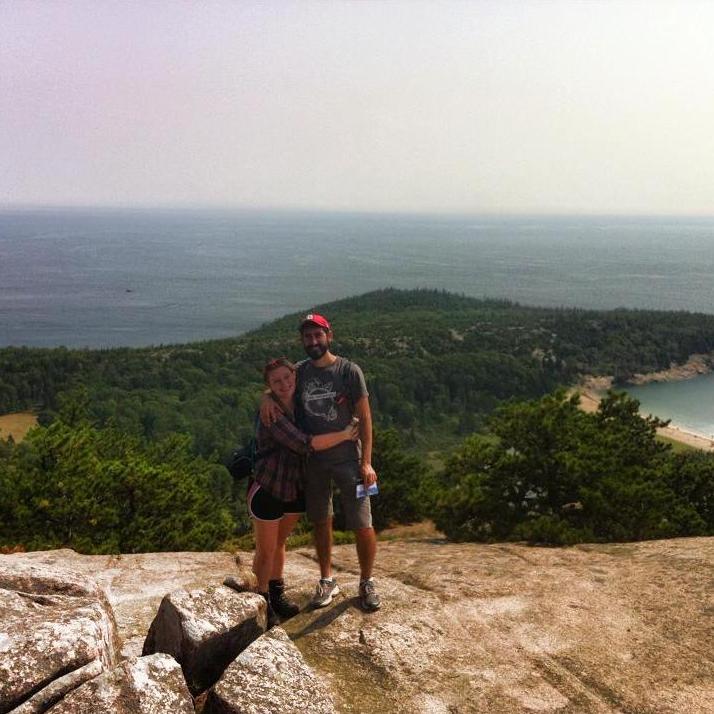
331	390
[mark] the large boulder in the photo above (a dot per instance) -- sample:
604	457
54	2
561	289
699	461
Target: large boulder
269	676
139	685
136	582
53	623
205	630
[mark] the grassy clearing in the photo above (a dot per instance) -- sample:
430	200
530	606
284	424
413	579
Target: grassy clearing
16	425
677	446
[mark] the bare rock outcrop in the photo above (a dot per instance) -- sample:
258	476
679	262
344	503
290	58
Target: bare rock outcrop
139	685
137	582
205	630
466	627
57	629
20	575
504	628
269	676
695	366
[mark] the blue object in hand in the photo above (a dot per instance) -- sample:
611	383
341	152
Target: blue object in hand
371	491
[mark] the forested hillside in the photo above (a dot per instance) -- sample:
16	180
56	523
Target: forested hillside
436	364
128	457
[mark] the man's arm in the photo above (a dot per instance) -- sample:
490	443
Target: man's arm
364	413
270	410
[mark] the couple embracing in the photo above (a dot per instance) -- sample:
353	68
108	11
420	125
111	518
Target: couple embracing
315	430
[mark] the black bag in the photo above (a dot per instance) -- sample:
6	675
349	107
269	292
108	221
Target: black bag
241	463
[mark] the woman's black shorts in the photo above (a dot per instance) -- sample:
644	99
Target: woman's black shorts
264	507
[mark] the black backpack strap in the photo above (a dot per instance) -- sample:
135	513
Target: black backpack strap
345	365
254	440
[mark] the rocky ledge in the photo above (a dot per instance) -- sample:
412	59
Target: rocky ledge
695	366
463	628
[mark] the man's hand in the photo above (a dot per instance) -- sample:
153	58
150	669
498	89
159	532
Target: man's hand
363	413
270	410
369	475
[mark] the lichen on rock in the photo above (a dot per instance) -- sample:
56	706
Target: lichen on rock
52	622
139	685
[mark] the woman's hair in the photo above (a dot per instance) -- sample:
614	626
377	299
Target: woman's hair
273	364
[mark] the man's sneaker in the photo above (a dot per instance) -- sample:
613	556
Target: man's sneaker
284	607
326	589
368	598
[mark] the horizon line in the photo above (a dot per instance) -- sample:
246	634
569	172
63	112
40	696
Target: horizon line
491	213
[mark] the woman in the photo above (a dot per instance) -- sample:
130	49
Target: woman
275	499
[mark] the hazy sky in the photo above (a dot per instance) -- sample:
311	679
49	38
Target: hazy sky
390	106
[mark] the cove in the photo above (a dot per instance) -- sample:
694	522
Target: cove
689	403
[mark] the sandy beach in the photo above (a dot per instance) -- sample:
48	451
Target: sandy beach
685	436
592	389
590	399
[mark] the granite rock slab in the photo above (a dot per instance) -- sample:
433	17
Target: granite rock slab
205	630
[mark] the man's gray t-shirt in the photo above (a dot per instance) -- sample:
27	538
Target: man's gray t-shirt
326	398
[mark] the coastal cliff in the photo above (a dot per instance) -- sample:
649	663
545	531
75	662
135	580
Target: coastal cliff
465	627
695	366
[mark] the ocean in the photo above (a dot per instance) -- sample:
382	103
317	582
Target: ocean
688	403
106	278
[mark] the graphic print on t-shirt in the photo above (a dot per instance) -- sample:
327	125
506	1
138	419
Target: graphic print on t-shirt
318	399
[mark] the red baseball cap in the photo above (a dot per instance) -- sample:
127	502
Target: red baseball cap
314	319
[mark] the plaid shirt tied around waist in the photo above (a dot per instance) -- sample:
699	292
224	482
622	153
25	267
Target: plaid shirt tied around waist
280	470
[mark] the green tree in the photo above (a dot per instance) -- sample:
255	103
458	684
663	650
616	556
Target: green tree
401	476
691	476
103	491
553	473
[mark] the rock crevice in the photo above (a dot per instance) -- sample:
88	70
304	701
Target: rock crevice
60	650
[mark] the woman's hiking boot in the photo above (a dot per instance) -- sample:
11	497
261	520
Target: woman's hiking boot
281	605
272	618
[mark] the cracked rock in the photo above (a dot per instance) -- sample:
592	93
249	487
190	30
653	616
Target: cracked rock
53	622
205	630
269	676
139	685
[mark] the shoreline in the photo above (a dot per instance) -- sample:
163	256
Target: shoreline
590	400
592	389
696	365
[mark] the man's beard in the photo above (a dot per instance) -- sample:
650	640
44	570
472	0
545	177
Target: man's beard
316	351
